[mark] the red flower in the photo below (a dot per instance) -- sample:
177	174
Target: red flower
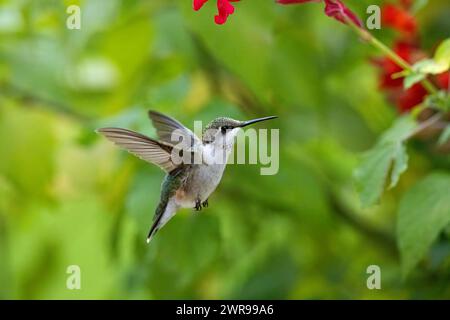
408	52
337	10
443	80
197	4
224	7
333	8
399	19
405	100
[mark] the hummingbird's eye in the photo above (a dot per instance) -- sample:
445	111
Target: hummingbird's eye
224	129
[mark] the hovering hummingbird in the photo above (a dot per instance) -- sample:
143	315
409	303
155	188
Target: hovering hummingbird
186	184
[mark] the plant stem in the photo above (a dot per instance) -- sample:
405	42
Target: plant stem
425	124
367	36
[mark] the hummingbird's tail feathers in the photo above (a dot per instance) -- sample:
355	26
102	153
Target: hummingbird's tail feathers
156	219
152	232
164	212
141	146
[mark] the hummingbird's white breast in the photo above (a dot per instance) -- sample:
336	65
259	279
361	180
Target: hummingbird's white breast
204	178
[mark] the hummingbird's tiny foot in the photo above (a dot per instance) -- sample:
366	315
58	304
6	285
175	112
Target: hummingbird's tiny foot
198	205
205	203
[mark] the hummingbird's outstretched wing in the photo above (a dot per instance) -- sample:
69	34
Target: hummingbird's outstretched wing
141	146
165	126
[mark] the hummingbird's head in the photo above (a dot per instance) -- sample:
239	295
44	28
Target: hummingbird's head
222	131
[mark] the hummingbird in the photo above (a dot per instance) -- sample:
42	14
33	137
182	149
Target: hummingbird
187	184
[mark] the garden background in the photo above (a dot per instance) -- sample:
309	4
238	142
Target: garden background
70	197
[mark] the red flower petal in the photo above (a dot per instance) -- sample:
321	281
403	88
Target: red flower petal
197	4
387	82
333	8
408	52
410	98
443	80
225	9
223	6
405	100
336	9
399	19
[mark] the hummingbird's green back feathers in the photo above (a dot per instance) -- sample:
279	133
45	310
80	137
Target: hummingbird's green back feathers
172	182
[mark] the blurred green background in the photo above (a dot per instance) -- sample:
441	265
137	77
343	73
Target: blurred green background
70	197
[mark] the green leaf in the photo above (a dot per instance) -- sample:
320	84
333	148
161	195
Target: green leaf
400	130
400	163
445	135
440	63
442	54
418	5
388	155
430	66
439	100
423	213
412	79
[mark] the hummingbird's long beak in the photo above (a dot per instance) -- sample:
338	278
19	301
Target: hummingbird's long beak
249	122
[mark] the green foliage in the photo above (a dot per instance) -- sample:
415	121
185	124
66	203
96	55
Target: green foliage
445	135
439	100
413	78
418	5
442	54
438	64
385	162
423	213
430	66
30	166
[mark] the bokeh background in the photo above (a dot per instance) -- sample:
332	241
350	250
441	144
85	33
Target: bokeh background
69	197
